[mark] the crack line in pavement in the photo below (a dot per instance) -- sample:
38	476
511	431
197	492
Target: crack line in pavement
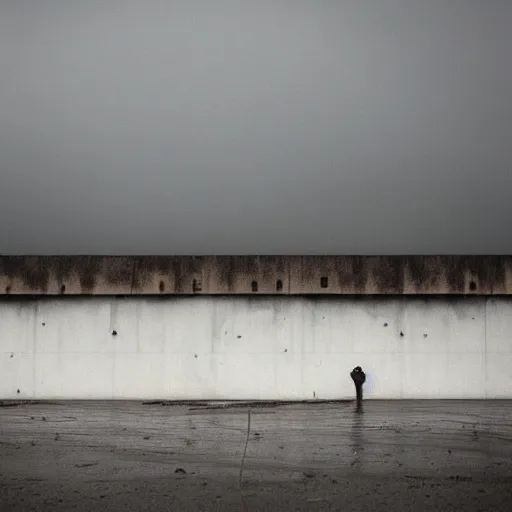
242	503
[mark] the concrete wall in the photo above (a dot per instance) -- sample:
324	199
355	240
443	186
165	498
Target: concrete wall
235	275
255	347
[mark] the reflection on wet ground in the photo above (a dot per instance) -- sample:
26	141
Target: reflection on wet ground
383	455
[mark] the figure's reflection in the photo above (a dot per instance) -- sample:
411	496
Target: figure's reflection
359	377
357	435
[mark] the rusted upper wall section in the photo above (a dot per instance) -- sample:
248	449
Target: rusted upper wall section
118	275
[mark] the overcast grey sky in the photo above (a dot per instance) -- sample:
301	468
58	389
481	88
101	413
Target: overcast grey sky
256	126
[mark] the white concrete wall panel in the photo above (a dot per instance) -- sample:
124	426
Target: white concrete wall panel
499	326
226	347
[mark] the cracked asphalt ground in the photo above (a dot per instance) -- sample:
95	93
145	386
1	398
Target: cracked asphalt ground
391	455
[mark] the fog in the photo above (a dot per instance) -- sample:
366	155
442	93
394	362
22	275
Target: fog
255	127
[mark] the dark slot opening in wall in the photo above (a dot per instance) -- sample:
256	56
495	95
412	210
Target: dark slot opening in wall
196	285
472	286
324	282
254	286
279	285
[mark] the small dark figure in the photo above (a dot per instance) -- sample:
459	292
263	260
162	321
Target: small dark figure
358	376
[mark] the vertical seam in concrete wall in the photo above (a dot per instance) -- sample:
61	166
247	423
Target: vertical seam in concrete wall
485	348
401	350
35	318
113	326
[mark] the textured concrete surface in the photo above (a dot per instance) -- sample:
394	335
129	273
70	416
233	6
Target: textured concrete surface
281	275
255	348
399	455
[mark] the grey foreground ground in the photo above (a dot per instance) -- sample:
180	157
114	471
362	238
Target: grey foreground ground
391	455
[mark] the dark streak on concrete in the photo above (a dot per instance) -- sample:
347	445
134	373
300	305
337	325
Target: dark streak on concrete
251	265
66	265
225	266
176	265
494	280
120	271
425	272
310	265
89	268
225	274
359	273
345	276
151	266
281	268
389	274
33	271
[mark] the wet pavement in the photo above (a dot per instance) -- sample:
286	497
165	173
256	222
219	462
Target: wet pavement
389	455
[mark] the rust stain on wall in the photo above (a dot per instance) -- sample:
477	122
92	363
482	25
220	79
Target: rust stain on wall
87	269
456	274
247	274
147	275
153	275
423	274
388	274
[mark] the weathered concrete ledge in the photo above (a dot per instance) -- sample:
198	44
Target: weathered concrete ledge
232	275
